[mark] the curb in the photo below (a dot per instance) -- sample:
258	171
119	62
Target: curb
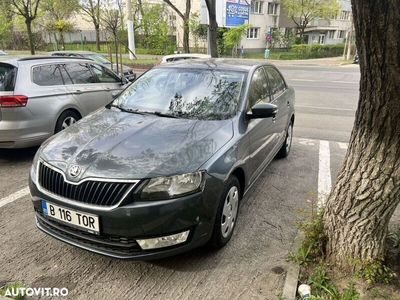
292	274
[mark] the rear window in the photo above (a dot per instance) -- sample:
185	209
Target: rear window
7	77
47	75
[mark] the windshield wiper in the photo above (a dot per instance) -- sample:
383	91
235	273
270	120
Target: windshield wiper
160	114
128	110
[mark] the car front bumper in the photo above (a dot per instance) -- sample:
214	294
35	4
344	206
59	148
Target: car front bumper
122	226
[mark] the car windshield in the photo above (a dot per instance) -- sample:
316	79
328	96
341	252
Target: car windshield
99	59
185	93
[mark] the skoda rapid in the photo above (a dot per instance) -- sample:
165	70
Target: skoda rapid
163	167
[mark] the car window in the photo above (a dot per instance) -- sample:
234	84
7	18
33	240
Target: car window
186	93
7	77
259	91
104	75
65	75
276	81
47	75
80	73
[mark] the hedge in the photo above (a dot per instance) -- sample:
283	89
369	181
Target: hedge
318	51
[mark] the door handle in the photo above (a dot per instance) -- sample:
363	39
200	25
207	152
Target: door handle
288	103
78	92
274	119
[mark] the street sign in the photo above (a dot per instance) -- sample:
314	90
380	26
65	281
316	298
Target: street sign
237	12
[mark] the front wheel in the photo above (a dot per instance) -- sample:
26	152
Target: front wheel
287	144
227	214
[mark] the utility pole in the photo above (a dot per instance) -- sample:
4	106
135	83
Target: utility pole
131	30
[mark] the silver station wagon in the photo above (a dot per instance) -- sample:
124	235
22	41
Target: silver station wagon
40	96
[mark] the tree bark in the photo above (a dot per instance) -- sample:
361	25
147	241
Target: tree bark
367	191
186	47
97	28
212	28
28	23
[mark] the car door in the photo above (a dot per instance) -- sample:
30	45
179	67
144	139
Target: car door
88	92
281	98
110	81
262	132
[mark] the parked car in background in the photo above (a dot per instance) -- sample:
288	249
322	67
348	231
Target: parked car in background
3	53
182	56
162	168
40	96
128	72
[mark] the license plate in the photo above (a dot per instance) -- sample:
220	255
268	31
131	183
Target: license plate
80	220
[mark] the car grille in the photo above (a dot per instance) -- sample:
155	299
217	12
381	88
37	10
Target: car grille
89	192
110	244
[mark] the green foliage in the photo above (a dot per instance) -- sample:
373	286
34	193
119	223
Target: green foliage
302	12
313	245
350	292
156	37
15	285
233	36
282	40
321	285
374	272
317	50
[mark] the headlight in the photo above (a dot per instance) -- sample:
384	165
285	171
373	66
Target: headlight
169	187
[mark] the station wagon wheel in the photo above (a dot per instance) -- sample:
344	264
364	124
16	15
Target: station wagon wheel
287	144
227	214
66	119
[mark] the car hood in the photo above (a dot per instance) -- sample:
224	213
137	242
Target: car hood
114	144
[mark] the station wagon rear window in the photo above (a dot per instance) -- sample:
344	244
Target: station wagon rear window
7	77
47	75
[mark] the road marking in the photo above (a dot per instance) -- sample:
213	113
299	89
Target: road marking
14	196
330	81
324	173
327	108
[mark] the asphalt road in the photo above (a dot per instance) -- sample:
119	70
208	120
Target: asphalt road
252	266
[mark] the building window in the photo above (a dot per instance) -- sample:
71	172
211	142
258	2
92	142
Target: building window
344	15
273	8
341	34
253	33
257	7
331	34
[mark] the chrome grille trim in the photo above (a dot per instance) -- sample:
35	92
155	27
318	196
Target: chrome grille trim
66	187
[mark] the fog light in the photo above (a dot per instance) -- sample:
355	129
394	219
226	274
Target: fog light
163	241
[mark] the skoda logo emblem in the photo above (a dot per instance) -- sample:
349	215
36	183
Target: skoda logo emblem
74	170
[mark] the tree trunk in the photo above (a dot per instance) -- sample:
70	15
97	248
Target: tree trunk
212	28
62	40
368	186
97	28
116	51
186	47
28	23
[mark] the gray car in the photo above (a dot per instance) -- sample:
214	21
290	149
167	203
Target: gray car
40	96
162	169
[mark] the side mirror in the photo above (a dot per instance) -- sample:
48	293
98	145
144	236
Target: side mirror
263	110
124	80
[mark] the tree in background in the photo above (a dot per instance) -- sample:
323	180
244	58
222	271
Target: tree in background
6	15
367	189
111	17
185	18
303	12
92	9
156	37
57	14
199	31
27	9
233	37
212	27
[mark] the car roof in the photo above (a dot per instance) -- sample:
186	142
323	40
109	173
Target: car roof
217	63
199	55
72	52
44	59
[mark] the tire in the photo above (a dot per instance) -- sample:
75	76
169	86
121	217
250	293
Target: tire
229	204
287	144
66	119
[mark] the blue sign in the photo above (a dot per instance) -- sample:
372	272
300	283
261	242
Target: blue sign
237	13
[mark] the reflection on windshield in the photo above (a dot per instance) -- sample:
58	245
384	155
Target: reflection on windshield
186	93
99	59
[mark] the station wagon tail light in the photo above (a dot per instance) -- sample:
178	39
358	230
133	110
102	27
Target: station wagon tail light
13	101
